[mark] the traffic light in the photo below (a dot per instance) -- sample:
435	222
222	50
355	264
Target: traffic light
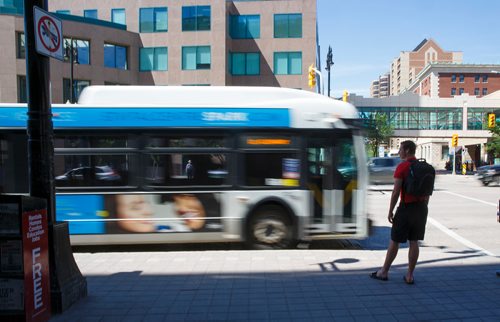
454	140
492	120
312	76
345	95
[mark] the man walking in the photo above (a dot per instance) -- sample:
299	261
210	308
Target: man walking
409	221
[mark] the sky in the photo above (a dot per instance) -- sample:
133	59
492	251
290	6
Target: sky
366	35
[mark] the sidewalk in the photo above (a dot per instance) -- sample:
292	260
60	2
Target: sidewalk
292	285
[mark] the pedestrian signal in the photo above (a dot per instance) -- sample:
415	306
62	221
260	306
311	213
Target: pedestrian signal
345	95
454	140
312	76
492	120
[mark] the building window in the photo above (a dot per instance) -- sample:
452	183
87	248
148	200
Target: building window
453	78
245	64
288	63
288	25
485	91
485	78
115	56
20	46
22	96
64	12
153	19
461	78
154	58
476	78
245	27
477	118
90	13
445	152
476	91
81	50
195	18
78	86
118	16
196	57
460	91
453	91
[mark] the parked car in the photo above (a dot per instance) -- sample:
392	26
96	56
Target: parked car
85	175
381	169
488	174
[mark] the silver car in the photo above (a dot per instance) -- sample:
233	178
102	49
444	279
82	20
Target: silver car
382	169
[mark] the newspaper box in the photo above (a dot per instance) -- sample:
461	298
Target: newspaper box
24	259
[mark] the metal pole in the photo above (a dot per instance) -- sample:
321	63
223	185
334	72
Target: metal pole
40	130
329	63
71	85
454	160
67	285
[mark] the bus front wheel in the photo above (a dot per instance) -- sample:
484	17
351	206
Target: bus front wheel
270	228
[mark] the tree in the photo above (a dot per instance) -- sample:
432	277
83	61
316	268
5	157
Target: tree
379	131
493	145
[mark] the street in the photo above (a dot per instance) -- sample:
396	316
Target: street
462	213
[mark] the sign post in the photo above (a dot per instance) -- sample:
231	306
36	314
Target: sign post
44	39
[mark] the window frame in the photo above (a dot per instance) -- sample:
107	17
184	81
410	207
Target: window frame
155	12
234	27
197	63
197	18
115	56
88	11
245	67
289	66
154	67
289	33
115	10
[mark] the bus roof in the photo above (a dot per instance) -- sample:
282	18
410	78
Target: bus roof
192	106
306	109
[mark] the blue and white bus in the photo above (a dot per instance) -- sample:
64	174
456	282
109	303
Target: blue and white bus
141	164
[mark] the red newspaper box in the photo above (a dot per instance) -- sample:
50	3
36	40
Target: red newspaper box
24	259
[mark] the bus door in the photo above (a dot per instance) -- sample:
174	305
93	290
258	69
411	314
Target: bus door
332	180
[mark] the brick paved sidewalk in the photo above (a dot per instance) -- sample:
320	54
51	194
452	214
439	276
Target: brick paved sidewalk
291	285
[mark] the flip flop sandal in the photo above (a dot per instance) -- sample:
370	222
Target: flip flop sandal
407	281
380	278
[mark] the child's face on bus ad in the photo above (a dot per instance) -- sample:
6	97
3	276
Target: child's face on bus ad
137	208
191	210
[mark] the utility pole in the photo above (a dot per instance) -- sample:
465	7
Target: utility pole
329	63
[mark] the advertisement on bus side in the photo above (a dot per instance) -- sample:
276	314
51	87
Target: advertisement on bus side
140	213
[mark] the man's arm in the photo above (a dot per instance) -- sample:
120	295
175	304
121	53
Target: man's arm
398	183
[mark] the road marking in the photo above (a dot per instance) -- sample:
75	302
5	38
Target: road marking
458	238
473	199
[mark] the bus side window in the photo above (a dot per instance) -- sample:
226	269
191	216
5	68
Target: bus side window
187	169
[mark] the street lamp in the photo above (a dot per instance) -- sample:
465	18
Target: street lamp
329	63
71	54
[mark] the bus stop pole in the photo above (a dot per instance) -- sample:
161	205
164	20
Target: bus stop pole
64	273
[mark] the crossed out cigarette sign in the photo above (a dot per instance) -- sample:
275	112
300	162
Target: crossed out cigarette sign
48	34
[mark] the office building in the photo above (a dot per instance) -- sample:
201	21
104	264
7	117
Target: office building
167	42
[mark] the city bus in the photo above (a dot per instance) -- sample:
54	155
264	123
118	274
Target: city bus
162	164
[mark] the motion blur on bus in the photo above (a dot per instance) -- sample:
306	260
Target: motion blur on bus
142	164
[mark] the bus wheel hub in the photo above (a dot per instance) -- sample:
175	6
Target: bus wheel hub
270	231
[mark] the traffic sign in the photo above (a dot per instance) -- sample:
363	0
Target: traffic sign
48	34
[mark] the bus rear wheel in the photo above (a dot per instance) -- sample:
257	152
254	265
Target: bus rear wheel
270	228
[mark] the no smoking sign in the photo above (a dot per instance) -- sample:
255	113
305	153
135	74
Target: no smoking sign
48	34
